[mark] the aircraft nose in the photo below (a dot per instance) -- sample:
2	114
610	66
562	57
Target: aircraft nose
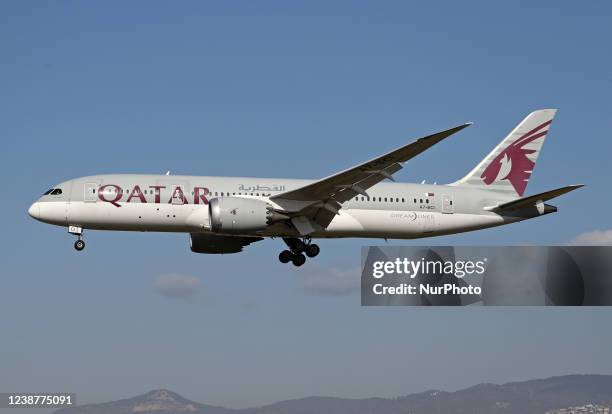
34	210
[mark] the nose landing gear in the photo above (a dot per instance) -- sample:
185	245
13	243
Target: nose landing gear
78	231
79	245
297	248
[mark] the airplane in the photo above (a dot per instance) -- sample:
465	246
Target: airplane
225	214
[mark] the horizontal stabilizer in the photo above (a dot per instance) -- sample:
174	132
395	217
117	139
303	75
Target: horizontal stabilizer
534	199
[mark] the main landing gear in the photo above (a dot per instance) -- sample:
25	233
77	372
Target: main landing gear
298	250
78	231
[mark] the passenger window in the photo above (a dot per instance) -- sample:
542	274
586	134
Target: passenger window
421	200
427	201
397	200
403	200
385	199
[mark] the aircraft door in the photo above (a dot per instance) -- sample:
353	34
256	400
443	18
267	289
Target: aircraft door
447	204
90	192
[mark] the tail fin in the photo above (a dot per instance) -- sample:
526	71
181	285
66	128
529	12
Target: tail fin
508	167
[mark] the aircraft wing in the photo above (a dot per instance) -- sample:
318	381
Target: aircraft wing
326	196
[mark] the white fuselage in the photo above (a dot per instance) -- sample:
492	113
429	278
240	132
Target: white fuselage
166	203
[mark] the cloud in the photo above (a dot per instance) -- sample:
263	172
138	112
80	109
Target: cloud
177	286
331	281
593	238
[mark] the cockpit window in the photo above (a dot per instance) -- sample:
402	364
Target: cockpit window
48	192
56	191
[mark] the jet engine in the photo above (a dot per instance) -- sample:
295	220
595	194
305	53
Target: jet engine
218	244
235	215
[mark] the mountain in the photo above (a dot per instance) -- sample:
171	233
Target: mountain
158	402
526	397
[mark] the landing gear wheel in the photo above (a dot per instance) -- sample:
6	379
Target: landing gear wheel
299	246
298	259
285	256
312	250
79	245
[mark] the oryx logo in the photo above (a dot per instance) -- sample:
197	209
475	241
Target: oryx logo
513	163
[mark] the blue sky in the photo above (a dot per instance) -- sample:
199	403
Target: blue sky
298	89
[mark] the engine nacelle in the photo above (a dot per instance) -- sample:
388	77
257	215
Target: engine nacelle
218	244
240	215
